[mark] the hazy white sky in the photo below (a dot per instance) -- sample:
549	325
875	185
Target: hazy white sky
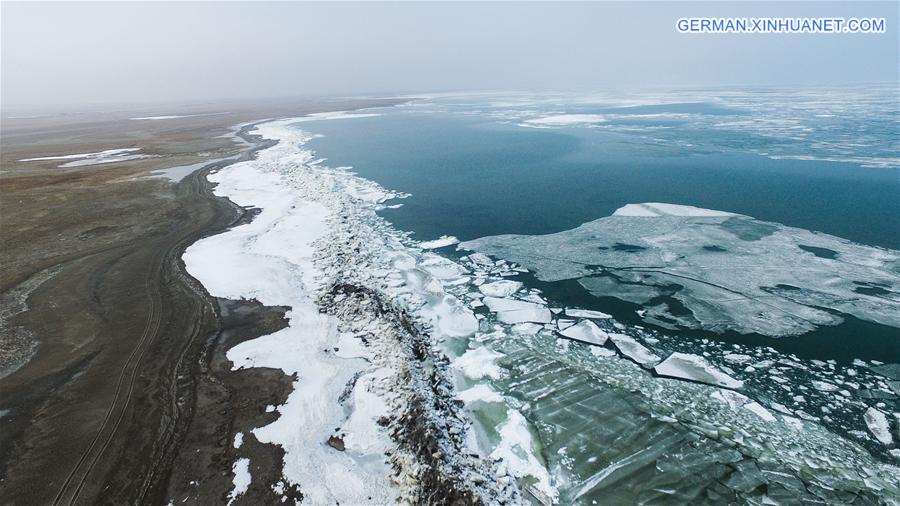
72	53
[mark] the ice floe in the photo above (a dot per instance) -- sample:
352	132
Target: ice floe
586	313
586	331
695	368
656	209
634	350
726	269
479	363
516	449
480	392
878	425
517	311
501	289
446	240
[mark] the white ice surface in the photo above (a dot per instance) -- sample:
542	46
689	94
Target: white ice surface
654	209
479	363
586	331
695	368
878	425
634	350
270	260
558	120
757	409
440	242
500	289
517	311
585	313
322	116
480	392
516	448
728	270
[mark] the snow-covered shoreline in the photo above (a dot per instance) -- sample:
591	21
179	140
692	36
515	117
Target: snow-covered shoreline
352	367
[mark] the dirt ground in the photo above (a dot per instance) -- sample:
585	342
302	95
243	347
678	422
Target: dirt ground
114	386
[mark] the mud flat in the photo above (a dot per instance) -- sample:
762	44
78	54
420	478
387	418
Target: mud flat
111	353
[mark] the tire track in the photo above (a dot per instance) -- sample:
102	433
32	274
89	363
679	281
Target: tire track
133	363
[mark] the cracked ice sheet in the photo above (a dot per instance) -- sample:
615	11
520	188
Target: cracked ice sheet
585	401
270	259
727	269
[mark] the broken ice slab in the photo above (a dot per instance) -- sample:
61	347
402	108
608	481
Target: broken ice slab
877	423
695	368
563	324
443	241
726	269
634	350
500	289
585	313
527	329
479	363
517	311
586	331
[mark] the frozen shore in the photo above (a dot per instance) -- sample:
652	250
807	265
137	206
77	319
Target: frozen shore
418	378
372	417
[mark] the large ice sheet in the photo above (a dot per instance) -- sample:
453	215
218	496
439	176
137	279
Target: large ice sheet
732	272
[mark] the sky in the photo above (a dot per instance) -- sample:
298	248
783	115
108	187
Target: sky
74	54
